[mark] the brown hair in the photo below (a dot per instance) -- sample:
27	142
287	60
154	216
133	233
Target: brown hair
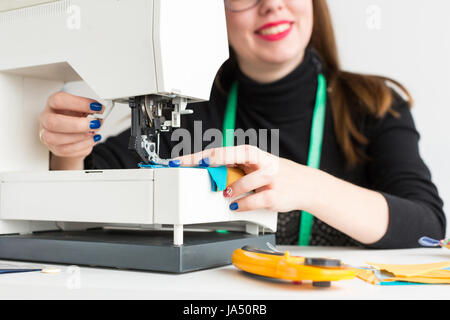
370	92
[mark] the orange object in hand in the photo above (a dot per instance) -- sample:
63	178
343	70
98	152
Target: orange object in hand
233	175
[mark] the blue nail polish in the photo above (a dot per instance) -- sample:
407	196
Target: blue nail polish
204	163
174	163
234	206
95	124
95	106
97	138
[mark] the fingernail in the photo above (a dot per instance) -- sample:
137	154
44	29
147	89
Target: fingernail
97	138
174	163
204	163
227	192
95	106
95	124
234	206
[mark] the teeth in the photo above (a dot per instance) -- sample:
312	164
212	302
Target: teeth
275	30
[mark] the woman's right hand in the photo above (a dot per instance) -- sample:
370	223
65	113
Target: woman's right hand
67	131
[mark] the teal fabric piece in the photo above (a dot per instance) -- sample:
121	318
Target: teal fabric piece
218	175
400	283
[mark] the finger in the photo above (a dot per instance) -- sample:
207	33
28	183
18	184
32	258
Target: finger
65	124
247	183
83	153
63	101
41	132
254	201
70	113
56	139
72	149
243	154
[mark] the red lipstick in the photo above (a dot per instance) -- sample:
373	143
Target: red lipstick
275	36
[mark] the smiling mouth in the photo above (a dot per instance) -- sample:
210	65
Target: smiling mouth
274	30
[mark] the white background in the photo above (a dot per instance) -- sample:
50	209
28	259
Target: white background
409	41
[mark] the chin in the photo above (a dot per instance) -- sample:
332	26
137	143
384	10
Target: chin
281	56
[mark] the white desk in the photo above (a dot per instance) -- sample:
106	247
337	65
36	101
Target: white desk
221	283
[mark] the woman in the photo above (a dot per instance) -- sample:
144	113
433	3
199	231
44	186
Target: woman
372	189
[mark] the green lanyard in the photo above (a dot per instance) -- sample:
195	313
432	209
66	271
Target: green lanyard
315	145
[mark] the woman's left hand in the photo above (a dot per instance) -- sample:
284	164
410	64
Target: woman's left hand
279	184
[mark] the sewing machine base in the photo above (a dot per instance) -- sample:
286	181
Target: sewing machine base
138	250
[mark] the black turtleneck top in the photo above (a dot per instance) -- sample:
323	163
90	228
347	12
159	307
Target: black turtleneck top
396	169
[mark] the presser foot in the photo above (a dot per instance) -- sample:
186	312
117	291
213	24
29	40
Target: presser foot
153	163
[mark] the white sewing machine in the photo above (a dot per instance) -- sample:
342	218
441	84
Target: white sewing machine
150	53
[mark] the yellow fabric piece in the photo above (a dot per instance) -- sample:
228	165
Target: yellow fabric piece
411	270
367	275
430	273
422	280
444	274
234	174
